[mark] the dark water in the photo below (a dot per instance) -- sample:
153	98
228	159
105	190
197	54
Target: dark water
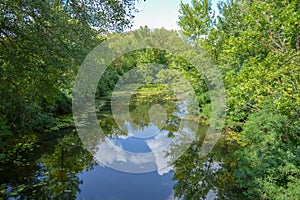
62	168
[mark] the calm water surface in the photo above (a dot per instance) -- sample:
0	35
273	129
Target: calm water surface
61	167
140	134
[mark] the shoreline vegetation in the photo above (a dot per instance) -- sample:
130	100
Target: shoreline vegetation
255	45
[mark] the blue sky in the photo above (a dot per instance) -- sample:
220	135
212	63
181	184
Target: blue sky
159	13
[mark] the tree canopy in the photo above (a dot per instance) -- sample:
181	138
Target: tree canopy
256	47
42	45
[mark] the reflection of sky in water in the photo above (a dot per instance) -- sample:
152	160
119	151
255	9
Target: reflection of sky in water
147	131
127	153
137	140
108	184
132	144
142	149
104	183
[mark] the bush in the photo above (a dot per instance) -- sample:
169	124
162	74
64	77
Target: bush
269	163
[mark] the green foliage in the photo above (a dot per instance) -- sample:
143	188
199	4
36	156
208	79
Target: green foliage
42	44
256	45
5	133
143	58
196	19
269	164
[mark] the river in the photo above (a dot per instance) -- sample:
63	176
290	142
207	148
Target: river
154	155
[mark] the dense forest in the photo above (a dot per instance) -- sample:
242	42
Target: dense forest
254	44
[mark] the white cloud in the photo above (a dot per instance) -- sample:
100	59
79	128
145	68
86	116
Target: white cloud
158	146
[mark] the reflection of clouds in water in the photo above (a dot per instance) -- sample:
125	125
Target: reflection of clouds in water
110	154
161	143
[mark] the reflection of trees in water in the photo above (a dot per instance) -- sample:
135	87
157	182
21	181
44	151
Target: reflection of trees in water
206	177
54	173
141	103
62	166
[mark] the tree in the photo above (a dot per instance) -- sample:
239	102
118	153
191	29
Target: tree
196	20
268	163
256	46
42	45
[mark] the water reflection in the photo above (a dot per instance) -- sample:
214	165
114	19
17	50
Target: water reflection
206	177
61	168
140	143
106	183
52	173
